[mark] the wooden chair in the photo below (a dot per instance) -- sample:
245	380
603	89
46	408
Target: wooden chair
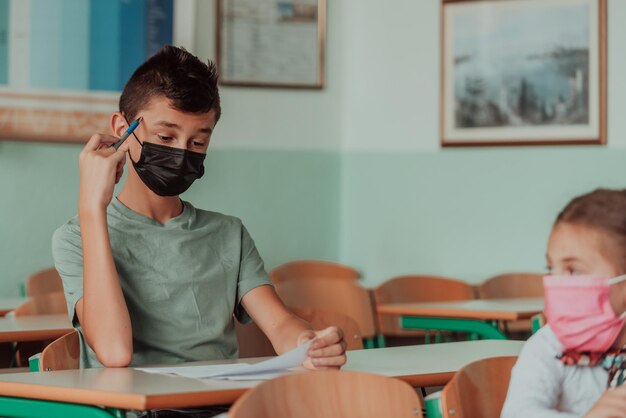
341	296
42	304
513	285
313	269
478	389
326	394
61	354
44	281
416	288
253	343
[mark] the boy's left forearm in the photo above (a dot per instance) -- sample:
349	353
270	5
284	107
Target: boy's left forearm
280	326
286	331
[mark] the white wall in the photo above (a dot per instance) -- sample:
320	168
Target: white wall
279	119
408	206
391	74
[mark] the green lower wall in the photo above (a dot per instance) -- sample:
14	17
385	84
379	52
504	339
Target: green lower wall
463	213
288	201
4	41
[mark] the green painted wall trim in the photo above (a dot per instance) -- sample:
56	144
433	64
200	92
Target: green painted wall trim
468	213
462	213
288	201
4	41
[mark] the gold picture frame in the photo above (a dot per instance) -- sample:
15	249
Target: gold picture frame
522	72
262	43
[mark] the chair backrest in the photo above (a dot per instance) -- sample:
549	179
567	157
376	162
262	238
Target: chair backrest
416	288
312	269
44	281
325	394
512	285
44	304
253	343
321	319
342	296
61	354
478	389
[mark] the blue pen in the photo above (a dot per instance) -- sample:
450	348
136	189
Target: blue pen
126	134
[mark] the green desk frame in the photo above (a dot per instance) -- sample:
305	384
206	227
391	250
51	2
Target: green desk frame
32	408
35	408
475	328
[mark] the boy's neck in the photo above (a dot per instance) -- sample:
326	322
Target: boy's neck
136	196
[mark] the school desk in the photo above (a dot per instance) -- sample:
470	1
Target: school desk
473	316
9	304
71	393
34	328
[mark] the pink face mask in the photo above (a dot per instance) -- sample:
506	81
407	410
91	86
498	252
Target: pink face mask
579	312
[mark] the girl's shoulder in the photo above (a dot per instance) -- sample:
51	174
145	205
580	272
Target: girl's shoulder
543	347
545	339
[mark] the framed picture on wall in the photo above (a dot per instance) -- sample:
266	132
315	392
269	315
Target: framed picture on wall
270	43
523	72
62	68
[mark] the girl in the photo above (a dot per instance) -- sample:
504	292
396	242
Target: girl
574	366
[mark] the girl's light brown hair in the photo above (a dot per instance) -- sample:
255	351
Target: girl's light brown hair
603	210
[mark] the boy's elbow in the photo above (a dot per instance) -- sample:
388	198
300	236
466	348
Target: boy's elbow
111	351
115	356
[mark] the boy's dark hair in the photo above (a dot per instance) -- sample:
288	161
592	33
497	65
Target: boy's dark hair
174	73
603	210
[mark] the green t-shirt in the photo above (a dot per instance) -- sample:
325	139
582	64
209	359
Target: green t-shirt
182	281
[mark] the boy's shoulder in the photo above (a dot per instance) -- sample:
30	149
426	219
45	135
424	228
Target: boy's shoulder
69	230
207	216
204	213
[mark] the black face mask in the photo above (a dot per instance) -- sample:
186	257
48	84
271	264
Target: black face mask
168	171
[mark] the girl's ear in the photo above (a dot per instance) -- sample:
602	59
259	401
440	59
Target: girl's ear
118	124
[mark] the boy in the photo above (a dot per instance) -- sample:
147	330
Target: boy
148	278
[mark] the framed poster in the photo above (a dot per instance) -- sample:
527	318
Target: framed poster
63	63
270	43
523	72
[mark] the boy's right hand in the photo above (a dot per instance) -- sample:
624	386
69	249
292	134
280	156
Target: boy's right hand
611	405
101	167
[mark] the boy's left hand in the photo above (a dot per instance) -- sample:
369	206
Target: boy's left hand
328	351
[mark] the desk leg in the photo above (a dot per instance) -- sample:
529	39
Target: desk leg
369	342
116	413
432	405
483	329
34	408
380	341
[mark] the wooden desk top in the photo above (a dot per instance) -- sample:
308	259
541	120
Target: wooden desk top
9	304
34	328
133	389
430	364
483	309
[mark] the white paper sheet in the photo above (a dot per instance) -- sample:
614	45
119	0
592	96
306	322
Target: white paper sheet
196	372
264	370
